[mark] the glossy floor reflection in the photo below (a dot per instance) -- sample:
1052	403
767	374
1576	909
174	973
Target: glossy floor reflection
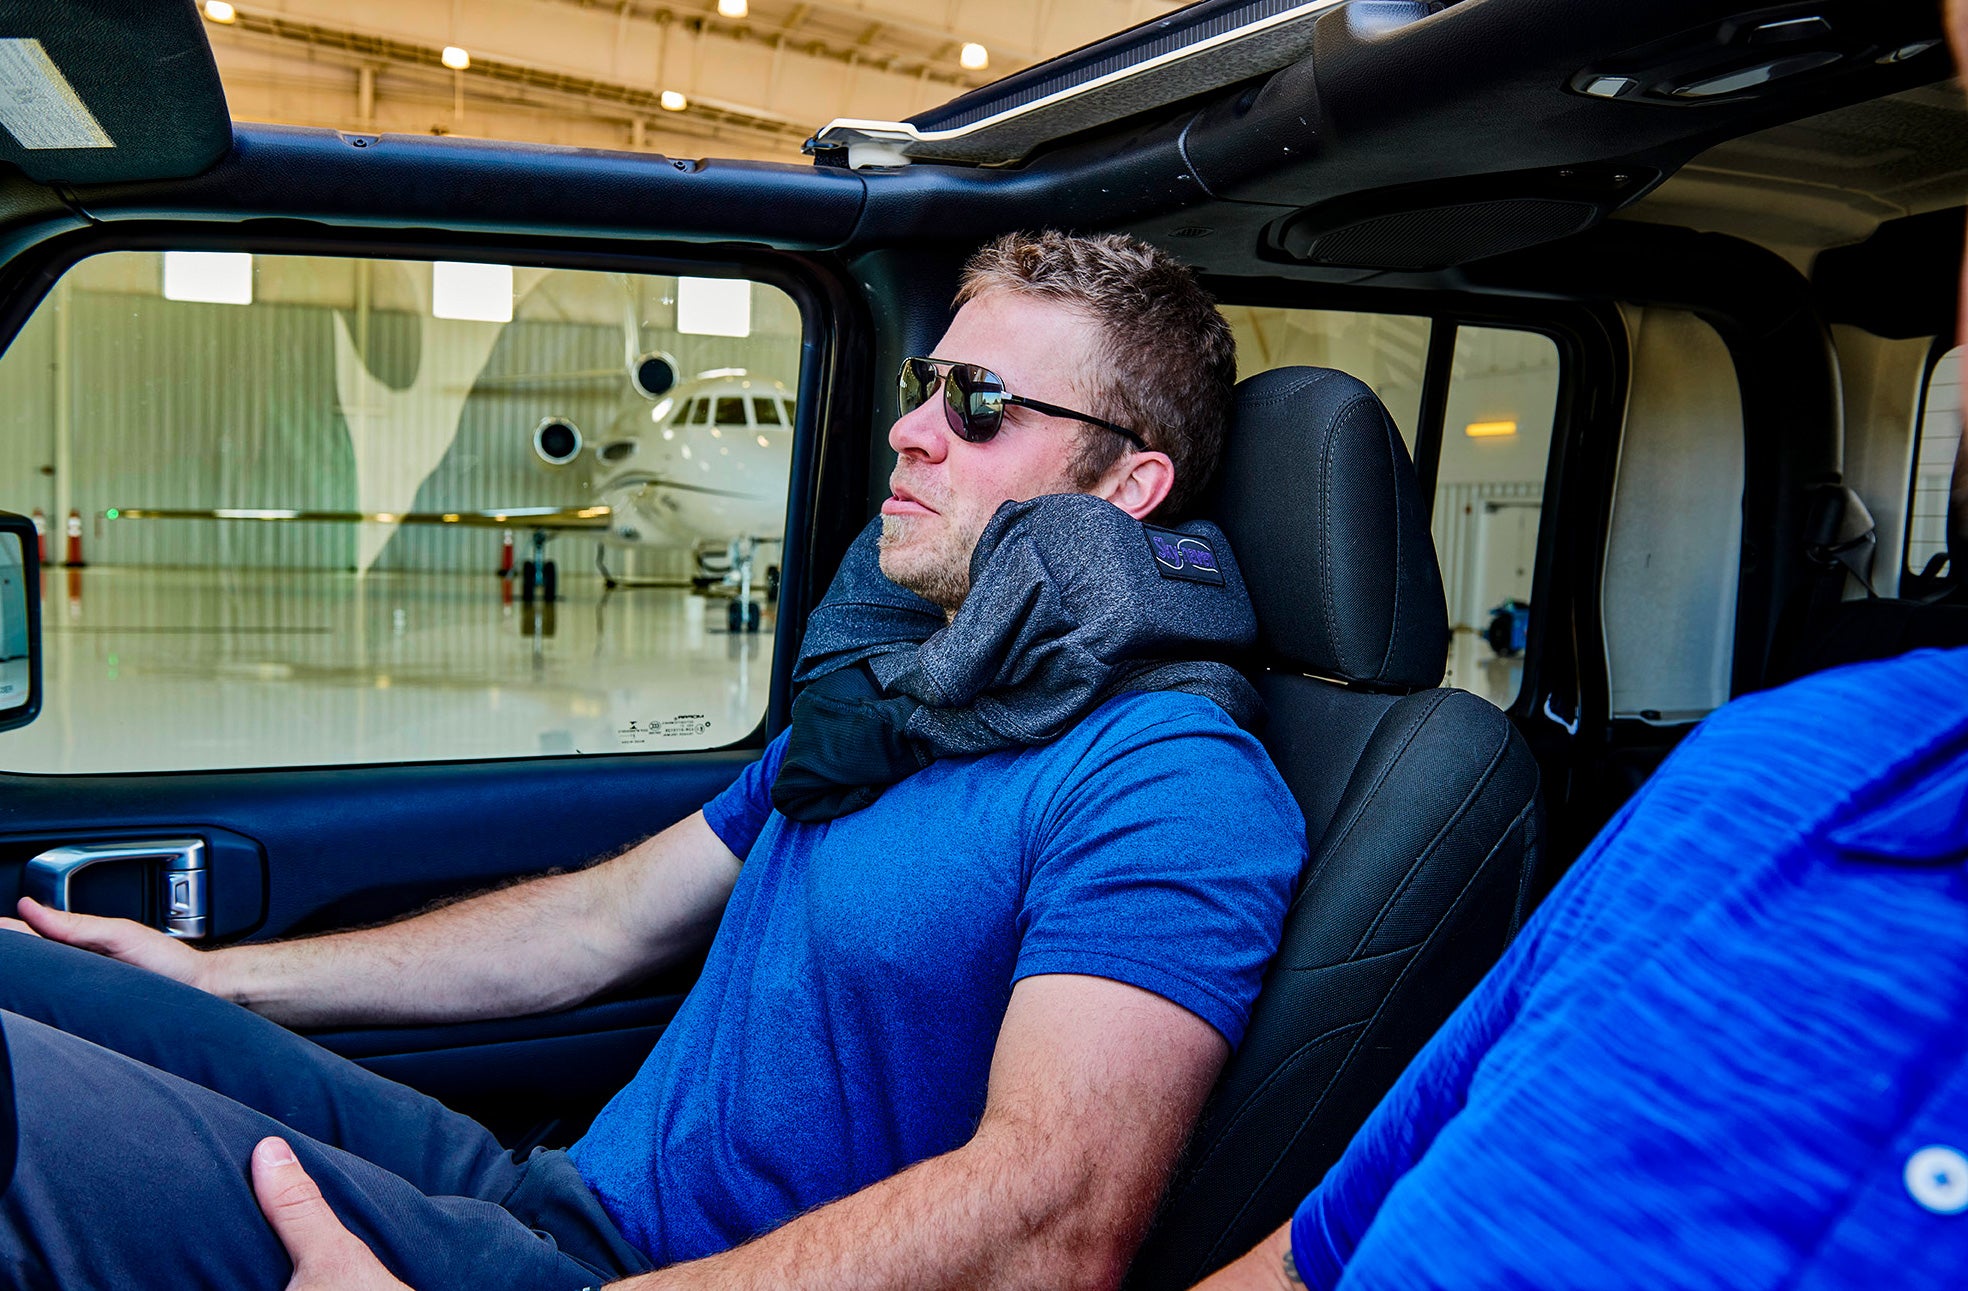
156	670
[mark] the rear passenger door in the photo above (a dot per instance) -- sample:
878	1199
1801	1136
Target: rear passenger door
280	418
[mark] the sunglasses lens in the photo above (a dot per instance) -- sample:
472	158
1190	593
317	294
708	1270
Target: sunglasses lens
971	404
913	384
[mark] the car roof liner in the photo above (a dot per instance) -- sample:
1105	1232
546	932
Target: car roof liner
106	91
1386	144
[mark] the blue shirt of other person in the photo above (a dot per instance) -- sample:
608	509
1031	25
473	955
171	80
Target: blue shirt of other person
843	1026
1731	1050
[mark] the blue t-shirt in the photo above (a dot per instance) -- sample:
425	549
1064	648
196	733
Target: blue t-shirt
1730	1050
843	1026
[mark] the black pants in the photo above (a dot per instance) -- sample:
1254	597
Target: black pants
139	1101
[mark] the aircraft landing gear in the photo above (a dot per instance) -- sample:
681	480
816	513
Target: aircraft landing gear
539	576
745	613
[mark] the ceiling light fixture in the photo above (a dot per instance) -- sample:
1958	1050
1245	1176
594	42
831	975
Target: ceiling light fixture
733	8
1489	429
479	293
672	101
714	307
974	57
220	11
209	277
455	58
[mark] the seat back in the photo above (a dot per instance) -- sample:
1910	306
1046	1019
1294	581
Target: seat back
1421	808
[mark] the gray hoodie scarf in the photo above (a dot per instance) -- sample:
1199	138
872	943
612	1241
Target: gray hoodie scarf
1072	601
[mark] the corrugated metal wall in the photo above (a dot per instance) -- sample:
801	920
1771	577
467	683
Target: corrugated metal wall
1458	512
195	406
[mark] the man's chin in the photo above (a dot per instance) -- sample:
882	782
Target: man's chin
909	559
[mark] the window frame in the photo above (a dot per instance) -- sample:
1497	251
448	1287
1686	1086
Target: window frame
828	371
1565	679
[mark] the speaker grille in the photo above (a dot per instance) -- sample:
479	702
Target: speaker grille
1439	236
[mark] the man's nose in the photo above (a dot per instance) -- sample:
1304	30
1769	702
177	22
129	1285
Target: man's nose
922	433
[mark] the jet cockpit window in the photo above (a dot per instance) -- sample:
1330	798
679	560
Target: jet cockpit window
731	412
336	510
765	412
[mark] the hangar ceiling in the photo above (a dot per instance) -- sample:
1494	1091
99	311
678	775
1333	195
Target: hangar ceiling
605	73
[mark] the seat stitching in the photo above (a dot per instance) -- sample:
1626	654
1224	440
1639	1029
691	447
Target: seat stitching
1462	809
1416	722
1436	931
1394	623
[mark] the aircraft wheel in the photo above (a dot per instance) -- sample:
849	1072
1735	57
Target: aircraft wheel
526	582
549	581
742	616
772	582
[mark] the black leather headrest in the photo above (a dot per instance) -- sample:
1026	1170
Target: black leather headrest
1320	502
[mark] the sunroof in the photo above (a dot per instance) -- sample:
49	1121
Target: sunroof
1191	51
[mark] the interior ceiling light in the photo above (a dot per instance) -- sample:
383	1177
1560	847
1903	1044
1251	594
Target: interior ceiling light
478	293
455	58
714	307
220	11
1489	429
672	101
209	277
974	57
733	8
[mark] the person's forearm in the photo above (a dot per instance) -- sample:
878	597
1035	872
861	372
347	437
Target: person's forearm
1265	1267
974	1218
528	948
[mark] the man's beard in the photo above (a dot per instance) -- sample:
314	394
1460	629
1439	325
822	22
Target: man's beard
932	560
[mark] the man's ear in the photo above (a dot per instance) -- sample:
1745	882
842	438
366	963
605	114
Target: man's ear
1138	483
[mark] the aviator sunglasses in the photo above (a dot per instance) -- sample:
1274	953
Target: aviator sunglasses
974	399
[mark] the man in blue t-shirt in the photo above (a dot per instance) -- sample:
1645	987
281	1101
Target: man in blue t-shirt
953	1038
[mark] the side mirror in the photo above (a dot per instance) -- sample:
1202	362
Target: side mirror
20	622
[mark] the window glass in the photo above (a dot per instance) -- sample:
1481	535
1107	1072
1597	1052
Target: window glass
766	412
700	412
731	412
1489	498
299	483
1933	464
1387	351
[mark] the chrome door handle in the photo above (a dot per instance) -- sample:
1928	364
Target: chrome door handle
182	894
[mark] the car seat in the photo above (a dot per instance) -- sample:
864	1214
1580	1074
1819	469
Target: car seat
1421	809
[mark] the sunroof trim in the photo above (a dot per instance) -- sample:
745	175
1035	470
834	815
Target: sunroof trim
898	142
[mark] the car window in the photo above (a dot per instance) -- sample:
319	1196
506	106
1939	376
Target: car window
1489	500
1674	544
306	494
1933	463
1387	351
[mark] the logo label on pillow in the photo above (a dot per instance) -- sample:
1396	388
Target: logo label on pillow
1183	556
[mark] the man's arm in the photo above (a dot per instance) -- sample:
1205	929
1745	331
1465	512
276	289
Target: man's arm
1094	1087
1267	1266
529	948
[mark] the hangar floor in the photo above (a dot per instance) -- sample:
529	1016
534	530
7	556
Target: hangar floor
155	670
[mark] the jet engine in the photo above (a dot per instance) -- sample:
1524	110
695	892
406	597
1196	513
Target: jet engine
556	441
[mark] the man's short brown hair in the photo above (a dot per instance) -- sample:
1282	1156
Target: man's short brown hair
1167	360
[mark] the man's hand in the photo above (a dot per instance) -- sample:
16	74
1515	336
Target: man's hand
326	1256
124	939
